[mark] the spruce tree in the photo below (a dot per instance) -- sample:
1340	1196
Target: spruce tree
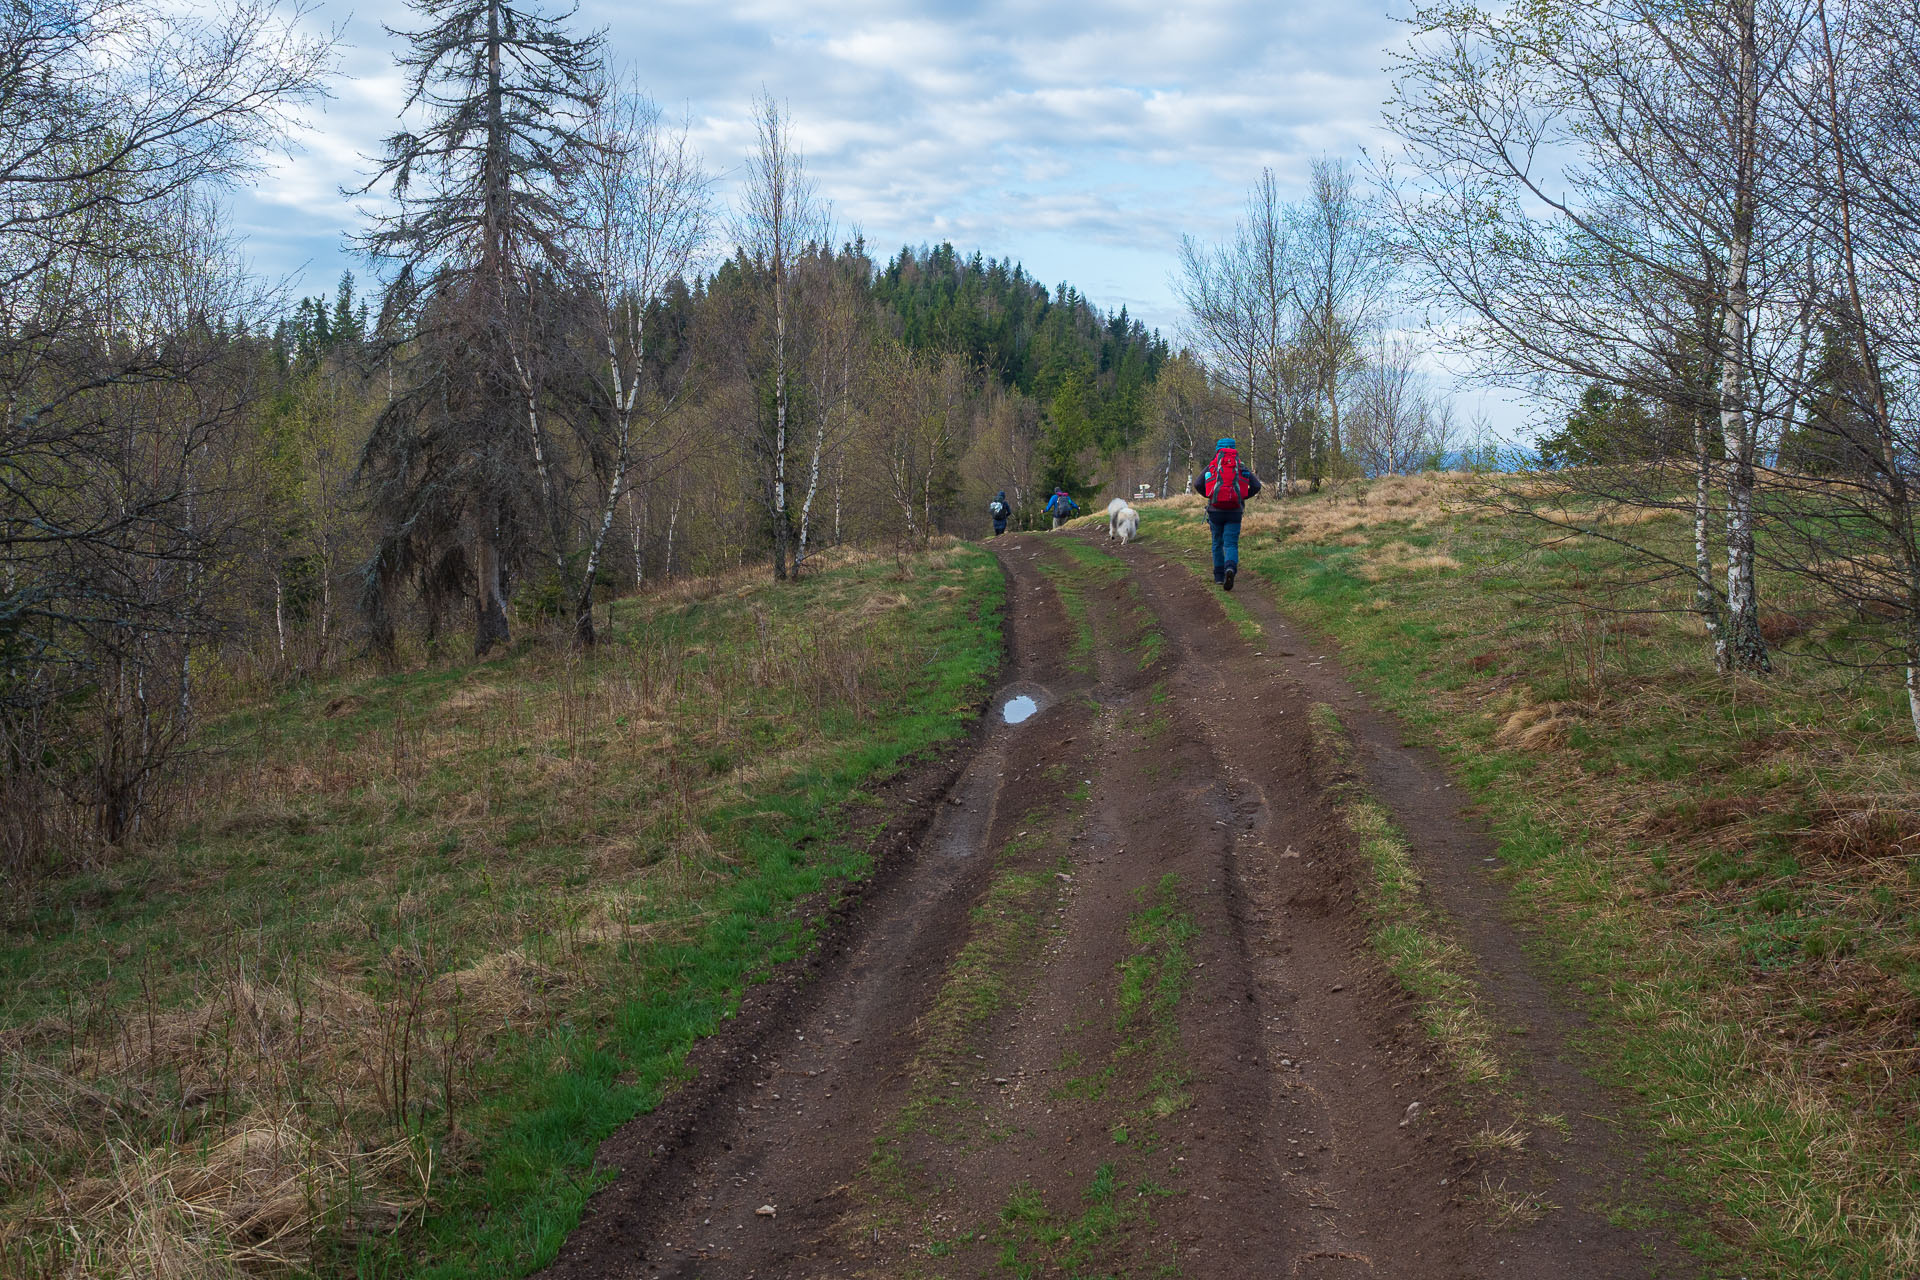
474	250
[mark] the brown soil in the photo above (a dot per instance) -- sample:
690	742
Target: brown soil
958	1084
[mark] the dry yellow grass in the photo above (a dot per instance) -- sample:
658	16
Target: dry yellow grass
1534	727
1420	502
247	1205
212	1128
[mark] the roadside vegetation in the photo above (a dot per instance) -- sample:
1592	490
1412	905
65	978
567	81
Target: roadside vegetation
425	938
1723	864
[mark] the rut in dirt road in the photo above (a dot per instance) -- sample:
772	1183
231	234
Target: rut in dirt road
1117	1014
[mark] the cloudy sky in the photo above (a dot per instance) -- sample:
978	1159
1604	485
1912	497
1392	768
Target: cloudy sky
1080	140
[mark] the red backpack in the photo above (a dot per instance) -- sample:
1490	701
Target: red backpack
1225	487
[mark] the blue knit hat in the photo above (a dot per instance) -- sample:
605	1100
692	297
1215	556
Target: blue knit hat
1225	442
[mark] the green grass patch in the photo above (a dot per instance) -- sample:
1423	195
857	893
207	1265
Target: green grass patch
1033	1241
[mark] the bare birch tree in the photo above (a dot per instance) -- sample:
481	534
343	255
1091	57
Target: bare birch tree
644	216
840	337
1216	285
1265	255
1344	270
781	215
1398	424
1604	194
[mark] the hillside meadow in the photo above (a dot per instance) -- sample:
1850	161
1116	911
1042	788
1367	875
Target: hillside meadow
424	937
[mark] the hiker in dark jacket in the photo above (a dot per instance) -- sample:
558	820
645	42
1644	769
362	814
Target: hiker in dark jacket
1226	485
999	510
1062	507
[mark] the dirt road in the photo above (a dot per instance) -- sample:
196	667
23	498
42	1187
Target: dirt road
1113	1011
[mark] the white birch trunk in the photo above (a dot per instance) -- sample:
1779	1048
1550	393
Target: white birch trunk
625	393
534	438
779	423
813	486
1704	601
635	535
1747	649
326	599
673	518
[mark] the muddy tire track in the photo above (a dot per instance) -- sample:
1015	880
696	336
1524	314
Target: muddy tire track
1114	1012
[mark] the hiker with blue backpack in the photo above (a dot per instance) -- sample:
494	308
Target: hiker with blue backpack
1062	507
1226	485
999	510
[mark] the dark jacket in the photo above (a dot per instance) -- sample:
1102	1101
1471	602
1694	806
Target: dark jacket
1253	487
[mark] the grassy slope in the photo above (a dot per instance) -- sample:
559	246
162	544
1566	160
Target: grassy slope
429	937
1719	864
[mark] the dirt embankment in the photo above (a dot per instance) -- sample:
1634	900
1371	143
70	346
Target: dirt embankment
1114	1010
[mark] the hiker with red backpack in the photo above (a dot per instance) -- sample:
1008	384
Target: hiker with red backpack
1226	485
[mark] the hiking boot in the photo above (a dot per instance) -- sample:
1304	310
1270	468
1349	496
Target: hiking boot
1227	581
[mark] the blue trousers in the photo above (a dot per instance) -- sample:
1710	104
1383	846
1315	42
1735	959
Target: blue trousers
1226	541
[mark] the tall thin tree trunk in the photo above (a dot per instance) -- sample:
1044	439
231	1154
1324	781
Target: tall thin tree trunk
1705	601
673	518
1333	425
536	440
1899	497
490	602
624	396
813	486
636	534
780	531
326	598
189	606
1747	649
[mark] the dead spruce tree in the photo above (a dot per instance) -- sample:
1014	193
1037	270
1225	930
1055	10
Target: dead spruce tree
475	253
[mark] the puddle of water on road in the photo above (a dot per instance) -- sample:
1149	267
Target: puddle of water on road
1014	710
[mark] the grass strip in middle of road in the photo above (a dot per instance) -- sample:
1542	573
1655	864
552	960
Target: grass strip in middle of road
1149	1069
985	978
1406	933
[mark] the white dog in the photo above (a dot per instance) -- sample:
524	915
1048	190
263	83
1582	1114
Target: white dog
1114	509
1128	523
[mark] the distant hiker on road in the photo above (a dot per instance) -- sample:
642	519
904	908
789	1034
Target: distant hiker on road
999	510
1062	507
1226	485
